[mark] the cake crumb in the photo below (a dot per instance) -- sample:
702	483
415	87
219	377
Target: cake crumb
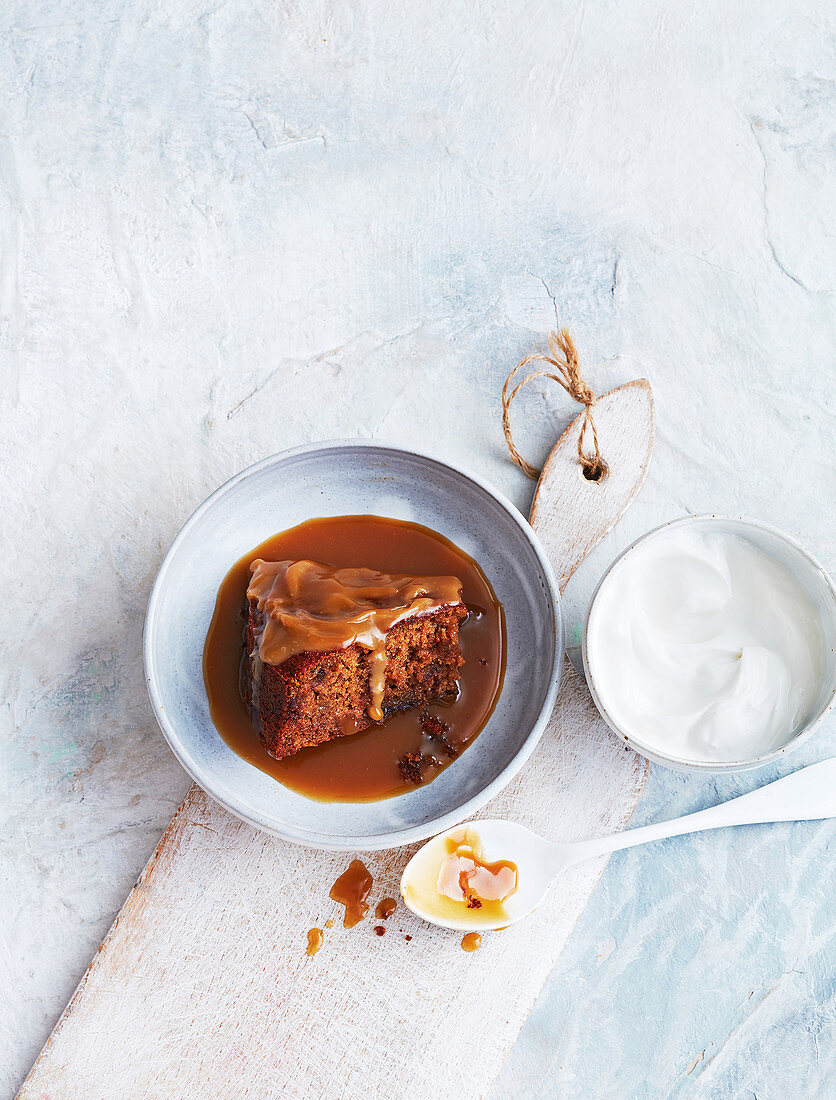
437	731
409	766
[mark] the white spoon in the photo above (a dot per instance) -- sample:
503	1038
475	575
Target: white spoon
807	795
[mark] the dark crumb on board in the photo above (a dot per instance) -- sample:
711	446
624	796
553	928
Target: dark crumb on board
407	937
379	929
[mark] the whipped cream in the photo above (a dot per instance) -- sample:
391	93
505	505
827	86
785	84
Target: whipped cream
704	647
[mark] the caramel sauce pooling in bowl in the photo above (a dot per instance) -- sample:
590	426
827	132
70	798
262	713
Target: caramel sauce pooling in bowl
363	766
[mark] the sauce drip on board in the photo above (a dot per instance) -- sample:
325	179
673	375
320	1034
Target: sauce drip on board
314	941
471	941
310	607
351	890
364	766
385	908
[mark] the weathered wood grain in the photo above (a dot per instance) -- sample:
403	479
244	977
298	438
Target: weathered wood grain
202	986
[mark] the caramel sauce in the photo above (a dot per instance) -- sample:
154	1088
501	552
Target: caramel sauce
385	908
308	607
466	877
471	941
314	941
368	765
351	890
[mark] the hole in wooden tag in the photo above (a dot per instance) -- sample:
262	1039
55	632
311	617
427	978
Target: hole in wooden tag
596	472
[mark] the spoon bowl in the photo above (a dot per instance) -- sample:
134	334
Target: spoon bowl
537	861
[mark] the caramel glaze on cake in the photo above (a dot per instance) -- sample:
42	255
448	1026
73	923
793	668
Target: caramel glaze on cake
333	651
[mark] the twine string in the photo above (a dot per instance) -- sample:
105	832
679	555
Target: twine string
564	358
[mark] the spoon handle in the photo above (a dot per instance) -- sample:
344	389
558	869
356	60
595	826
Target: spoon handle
807	795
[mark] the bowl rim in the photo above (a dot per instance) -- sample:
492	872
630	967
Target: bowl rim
375	841
683	763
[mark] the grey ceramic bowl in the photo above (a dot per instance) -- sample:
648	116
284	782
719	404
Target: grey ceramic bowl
350	478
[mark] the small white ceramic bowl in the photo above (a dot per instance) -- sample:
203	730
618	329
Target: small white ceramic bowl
812	576
353	477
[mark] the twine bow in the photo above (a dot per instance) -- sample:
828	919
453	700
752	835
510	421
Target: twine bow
564	358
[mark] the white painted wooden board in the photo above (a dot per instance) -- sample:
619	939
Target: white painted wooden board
202	986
